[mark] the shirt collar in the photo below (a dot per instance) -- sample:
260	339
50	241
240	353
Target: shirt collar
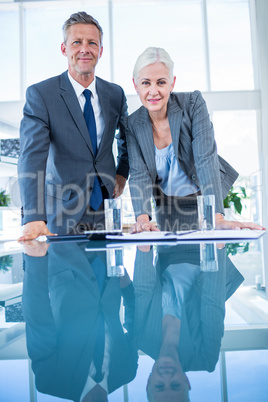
79	89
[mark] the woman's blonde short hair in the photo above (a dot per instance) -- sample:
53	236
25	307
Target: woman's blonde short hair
153	55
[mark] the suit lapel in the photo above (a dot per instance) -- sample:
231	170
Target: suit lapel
145	134
174	118
104	99
146	141
71	101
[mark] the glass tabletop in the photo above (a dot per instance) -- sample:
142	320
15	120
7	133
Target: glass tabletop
176	321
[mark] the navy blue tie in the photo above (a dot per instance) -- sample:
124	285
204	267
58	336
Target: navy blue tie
96	197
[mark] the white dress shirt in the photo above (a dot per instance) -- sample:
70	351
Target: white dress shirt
79	89
90	382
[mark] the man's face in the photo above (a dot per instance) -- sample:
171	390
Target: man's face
83	50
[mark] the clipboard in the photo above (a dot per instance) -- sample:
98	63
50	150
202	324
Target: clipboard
65	238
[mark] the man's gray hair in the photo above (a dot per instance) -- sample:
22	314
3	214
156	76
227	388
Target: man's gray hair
153	55
80	17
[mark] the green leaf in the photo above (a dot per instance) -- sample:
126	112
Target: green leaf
238	205
4	199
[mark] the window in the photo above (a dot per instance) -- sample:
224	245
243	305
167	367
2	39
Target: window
10	50
209	41
230	45
44	37
236	136
174	25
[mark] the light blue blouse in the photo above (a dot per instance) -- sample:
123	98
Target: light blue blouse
171	178
177	281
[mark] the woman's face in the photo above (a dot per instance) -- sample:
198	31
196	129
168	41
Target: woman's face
154	86
167	381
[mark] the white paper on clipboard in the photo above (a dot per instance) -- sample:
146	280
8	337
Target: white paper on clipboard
243	234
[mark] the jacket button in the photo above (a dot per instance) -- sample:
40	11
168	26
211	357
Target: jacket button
193	177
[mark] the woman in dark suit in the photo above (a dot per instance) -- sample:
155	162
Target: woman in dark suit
172	151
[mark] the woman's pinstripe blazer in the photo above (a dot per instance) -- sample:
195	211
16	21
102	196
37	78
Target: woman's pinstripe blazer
194	145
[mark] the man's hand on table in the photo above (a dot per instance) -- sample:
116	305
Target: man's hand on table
35	248
34	229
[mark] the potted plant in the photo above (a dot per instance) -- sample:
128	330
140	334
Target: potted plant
4	199
234	199
234	248
4	202
6	263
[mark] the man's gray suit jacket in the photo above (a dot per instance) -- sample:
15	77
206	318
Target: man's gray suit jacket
194	146
61	307
57	165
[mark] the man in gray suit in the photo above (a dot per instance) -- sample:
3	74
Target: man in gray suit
67	295
66	166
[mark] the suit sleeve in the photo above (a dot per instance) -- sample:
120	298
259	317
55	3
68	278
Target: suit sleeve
34	148
122	157
144	281
40	325
203	320
140	181
212	311
205	150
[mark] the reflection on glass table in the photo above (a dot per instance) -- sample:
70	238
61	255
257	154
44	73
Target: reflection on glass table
165	329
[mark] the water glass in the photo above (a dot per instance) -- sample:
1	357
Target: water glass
206	212
113	214
115	263
208	257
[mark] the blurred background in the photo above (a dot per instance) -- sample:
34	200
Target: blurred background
219	47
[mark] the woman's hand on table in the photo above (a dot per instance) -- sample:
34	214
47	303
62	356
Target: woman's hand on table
143	224
222	224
